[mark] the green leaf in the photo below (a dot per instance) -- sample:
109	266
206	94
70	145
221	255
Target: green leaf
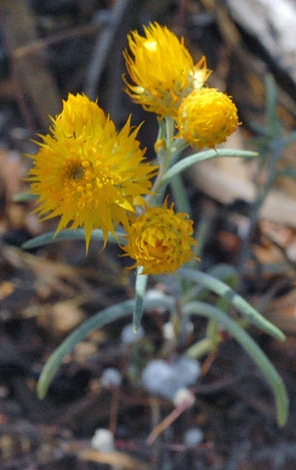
200	157
24	197
180	195
288	171
204	227
222	289
78	234
249	345
141	284
271	105
98	320
222	271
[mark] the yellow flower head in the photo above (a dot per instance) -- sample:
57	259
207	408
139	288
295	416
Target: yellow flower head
160	240
206	118
162	70
79	115
87	173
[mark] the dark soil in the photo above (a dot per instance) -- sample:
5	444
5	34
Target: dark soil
45	293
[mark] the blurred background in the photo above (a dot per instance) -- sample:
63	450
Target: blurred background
49	48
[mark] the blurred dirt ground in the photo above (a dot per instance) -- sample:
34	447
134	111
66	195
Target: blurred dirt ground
47	49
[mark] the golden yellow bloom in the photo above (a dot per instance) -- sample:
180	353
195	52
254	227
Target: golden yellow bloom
162	70
206	118
79	115
87	173
160	240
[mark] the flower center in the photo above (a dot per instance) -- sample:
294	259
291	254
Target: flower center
77	175
89	183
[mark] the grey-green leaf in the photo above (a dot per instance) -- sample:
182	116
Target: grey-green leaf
200	157
140	287
24	197
220	288
78	234
98	320
249	345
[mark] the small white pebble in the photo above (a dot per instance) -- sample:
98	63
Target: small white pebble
161	378
193	437
184	395
157	378
111	378
129	336
187	369
152	294
189	327
168	331
103	440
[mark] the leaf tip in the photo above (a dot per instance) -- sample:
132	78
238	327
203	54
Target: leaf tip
41	390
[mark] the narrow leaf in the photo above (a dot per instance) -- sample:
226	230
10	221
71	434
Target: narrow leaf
141	284
180	195
98	320
271	105
220	288
249	345
200	157
78	234
24	197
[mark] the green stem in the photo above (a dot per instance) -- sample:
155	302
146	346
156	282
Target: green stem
180	195
201	348
170	129
166	155
212	330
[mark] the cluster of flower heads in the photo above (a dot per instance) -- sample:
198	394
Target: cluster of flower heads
162	69
166	82
95	177
92	176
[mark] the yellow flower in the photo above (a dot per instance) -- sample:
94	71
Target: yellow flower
160	240
87	173
206	118
162	70
79	114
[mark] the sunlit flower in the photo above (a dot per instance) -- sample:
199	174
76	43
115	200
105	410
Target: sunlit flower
160	240
87	173
79	115
206	118
162	70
